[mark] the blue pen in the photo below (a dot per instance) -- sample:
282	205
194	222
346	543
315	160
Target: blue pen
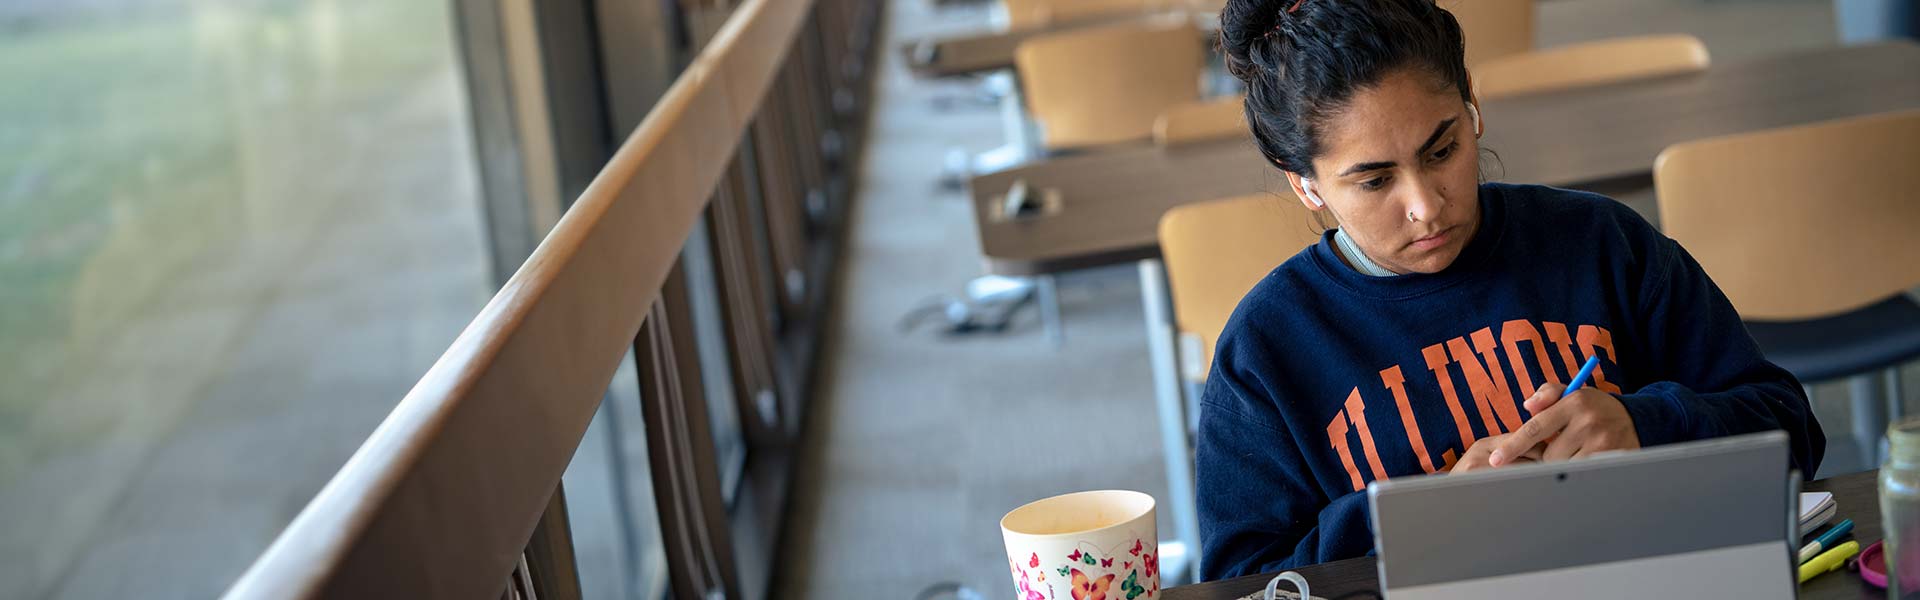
1580	379
1825	540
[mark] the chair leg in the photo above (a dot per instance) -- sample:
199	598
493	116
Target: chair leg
1896	398
1050	318
1869	417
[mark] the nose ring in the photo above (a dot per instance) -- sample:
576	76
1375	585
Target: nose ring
1410	218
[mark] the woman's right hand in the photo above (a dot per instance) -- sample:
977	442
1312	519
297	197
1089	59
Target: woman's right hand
1478	455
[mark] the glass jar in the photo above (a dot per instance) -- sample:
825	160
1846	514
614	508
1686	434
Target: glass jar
1900	509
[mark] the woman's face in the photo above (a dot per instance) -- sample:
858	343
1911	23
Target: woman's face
1399	167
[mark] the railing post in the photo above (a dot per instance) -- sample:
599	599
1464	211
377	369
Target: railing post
685	466
547	563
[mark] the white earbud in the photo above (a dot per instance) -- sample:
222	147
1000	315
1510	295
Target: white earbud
1474	111
1307	184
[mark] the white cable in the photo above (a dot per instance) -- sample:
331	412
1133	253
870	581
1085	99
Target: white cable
1299	583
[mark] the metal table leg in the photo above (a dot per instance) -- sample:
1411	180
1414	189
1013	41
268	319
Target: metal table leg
1174	441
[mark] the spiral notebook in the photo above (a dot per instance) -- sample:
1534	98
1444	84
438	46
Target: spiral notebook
1816	509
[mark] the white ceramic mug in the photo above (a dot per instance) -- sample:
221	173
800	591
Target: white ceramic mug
1084	546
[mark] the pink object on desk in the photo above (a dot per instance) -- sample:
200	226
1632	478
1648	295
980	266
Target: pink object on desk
1873	565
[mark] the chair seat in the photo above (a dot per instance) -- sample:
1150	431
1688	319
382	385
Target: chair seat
1877	336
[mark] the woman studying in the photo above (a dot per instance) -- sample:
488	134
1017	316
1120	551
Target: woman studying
1436	328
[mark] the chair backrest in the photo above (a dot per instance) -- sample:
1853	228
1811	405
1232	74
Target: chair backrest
1591	63
1028	14
1202	121
1107	84
1800	222
1493	28
1216	251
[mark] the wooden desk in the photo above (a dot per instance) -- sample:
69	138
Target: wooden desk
979	53
1857	495
965	55
1111	200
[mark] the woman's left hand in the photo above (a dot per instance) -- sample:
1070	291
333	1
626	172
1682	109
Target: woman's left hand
1475	457
1588	421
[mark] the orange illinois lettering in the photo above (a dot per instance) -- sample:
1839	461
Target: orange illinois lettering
1394	381
1477	387
1592	340
1505	403
1357	414
1558	333
1436	356
1337	434
1511	334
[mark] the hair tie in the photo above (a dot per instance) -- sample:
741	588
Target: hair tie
1296	6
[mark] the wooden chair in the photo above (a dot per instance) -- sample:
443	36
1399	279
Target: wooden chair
1801	222
1202	121
1591	63
1493	28
1107	84
1215	252
1104	85
1810	231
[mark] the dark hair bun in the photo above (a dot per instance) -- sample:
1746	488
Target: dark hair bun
1302	60
1246	22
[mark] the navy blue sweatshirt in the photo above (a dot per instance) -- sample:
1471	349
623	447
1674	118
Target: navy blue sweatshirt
1325	379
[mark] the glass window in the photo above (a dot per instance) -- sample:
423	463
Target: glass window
232	235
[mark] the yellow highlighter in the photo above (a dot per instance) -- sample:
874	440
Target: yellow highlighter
1829	560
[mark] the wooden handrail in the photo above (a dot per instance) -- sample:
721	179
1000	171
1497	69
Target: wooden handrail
441	499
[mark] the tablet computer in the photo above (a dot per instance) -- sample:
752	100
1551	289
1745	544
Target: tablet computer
1714	518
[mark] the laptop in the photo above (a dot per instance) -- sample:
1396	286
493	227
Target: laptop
1708	519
